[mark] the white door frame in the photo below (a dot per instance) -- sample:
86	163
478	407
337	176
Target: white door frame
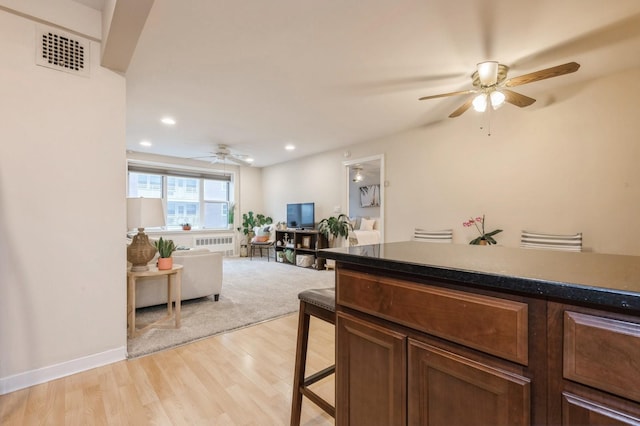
346	165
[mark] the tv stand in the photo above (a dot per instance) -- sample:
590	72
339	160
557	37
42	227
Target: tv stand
300	247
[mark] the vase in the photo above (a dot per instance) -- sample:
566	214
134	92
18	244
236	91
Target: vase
482	243
165	263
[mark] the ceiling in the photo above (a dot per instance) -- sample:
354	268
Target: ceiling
321	75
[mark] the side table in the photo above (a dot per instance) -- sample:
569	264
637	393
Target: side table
174	275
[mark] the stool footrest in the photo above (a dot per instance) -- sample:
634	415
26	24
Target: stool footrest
308	381
316	399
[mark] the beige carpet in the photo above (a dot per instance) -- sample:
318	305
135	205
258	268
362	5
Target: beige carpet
252	291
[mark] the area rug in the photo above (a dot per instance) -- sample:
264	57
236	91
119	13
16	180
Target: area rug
253	291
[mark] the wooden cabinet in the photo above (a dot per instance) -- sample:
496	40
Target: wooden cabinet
595	366
371	373
411	353
421	352
448	389
300	247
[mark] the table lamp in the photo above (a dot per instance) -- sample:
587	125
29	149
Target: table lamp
143	213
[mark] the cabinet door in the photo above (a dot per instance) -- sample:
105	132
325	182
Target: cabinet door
447	389
370	374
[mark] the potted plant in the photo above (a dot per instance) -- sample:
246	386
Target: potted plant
165	249
334	227
485	238
231	215
250	221
186	226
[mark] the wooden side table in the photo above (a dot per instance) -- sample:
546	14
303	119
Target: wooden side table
174	275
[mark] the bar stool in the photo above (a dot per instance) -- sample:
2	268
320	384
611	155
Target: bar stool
320	303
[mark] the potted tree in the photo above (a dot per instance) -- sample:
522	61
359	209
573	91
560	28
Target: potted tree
165	249
249	222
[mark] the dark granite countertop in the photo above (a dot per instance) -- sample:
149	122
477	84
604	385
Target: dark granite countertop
605	280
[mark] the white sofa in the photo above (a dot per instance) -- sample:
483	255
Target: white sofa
201	276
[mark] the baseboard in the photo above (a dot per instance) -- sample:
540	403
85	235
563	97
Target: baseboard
45	374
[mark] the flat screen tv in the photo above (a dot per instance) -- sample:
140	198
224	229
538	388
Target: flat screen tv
301	216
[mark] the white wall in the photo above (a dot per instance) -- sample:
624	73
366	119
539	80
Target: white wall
567	164
318	179
62	213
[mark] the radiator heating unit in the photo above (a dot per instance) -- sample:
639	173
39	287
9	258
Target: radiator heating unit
223	243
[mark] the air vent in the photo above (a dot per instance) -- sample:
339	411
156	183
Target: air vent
63	52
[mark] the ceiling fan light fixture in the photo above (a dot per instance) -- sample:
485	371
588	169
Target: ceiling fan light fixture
480	102
358	176
488	73
497	99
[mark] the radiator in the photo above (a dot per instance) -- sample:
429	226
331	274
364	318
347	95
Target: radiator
223	243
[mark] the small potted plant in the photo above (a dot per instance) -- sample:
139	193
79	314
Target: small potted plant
485	238
165	249
186	226
231	215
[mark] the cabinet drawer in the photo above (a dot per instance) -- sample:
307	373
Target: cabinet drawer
578	410
603	353
492	325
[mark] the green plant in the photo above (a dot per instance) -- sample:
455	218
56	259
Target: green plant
250	221
335	226
165	247
484	236
231	213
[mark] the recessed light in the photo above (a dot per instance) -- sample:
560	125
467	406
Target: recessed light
289	147
145	143
250	160
168	121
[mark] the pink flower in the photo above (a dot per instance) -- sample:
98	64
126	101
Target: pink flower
486	236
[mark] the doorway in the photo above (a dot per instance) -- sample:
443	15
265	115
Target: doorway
365	189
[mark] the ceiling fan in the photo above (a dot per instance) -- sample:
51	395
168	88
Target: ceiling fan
490	86
224	154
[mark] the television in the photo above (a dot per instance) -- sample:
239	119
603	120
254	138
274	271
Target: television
301	216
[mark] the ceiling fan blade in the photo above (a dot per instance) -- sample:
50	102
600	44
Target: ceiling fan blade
443	95
238	161
517	99
543	74
465	106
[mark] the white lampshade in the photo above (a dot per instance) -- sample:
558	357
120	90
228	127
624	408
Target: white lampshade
144	212
497	99
480	102
488	73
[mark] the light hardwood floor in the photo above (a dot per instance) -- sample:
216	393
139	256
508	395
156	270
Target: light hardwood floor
239	378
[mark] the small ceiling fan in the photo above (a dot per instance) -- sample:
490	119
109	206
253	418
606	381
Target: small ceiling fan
224	154
490	86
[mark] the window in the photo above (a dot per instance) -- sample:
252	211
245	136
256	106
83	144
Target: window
202	201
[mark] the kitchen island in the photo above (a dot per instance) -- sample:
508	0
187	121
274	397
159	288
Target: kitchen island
444	334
